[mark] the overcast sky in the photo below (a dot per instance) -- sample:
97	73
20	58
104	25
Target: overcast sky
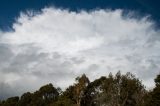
56	45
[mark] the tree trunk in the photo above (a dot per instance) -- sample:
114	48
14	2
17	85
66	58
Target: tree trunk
78	103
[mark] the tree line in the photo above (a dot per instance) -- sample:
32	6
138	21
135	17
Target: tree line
111	90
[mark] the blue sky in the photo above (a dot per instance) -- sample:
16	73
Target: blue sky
10	9
54	41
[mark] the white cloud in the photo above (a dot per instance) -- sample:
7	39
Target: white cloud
57	45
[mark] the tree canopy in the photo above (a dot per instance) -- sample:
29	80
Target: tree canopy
111	90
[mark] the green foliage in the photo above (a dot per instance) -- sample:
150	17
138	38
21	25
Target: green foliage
13	101
155	94
157	80
63	101
80	86
25	99
48	93
121	90
118	90
44	96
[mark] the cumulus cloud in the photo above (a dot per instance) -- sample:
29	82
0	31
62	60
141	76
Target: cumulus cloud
57	45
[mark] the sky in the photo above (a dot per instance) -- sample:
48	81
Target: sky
43	41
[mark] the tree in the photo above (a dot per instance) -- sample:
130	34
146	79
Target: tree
132	91
80	86
12	101
63	101
111	90
155	95
69	93
45	95
121	90
25	99
1	103
93	92
48	92
157	80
